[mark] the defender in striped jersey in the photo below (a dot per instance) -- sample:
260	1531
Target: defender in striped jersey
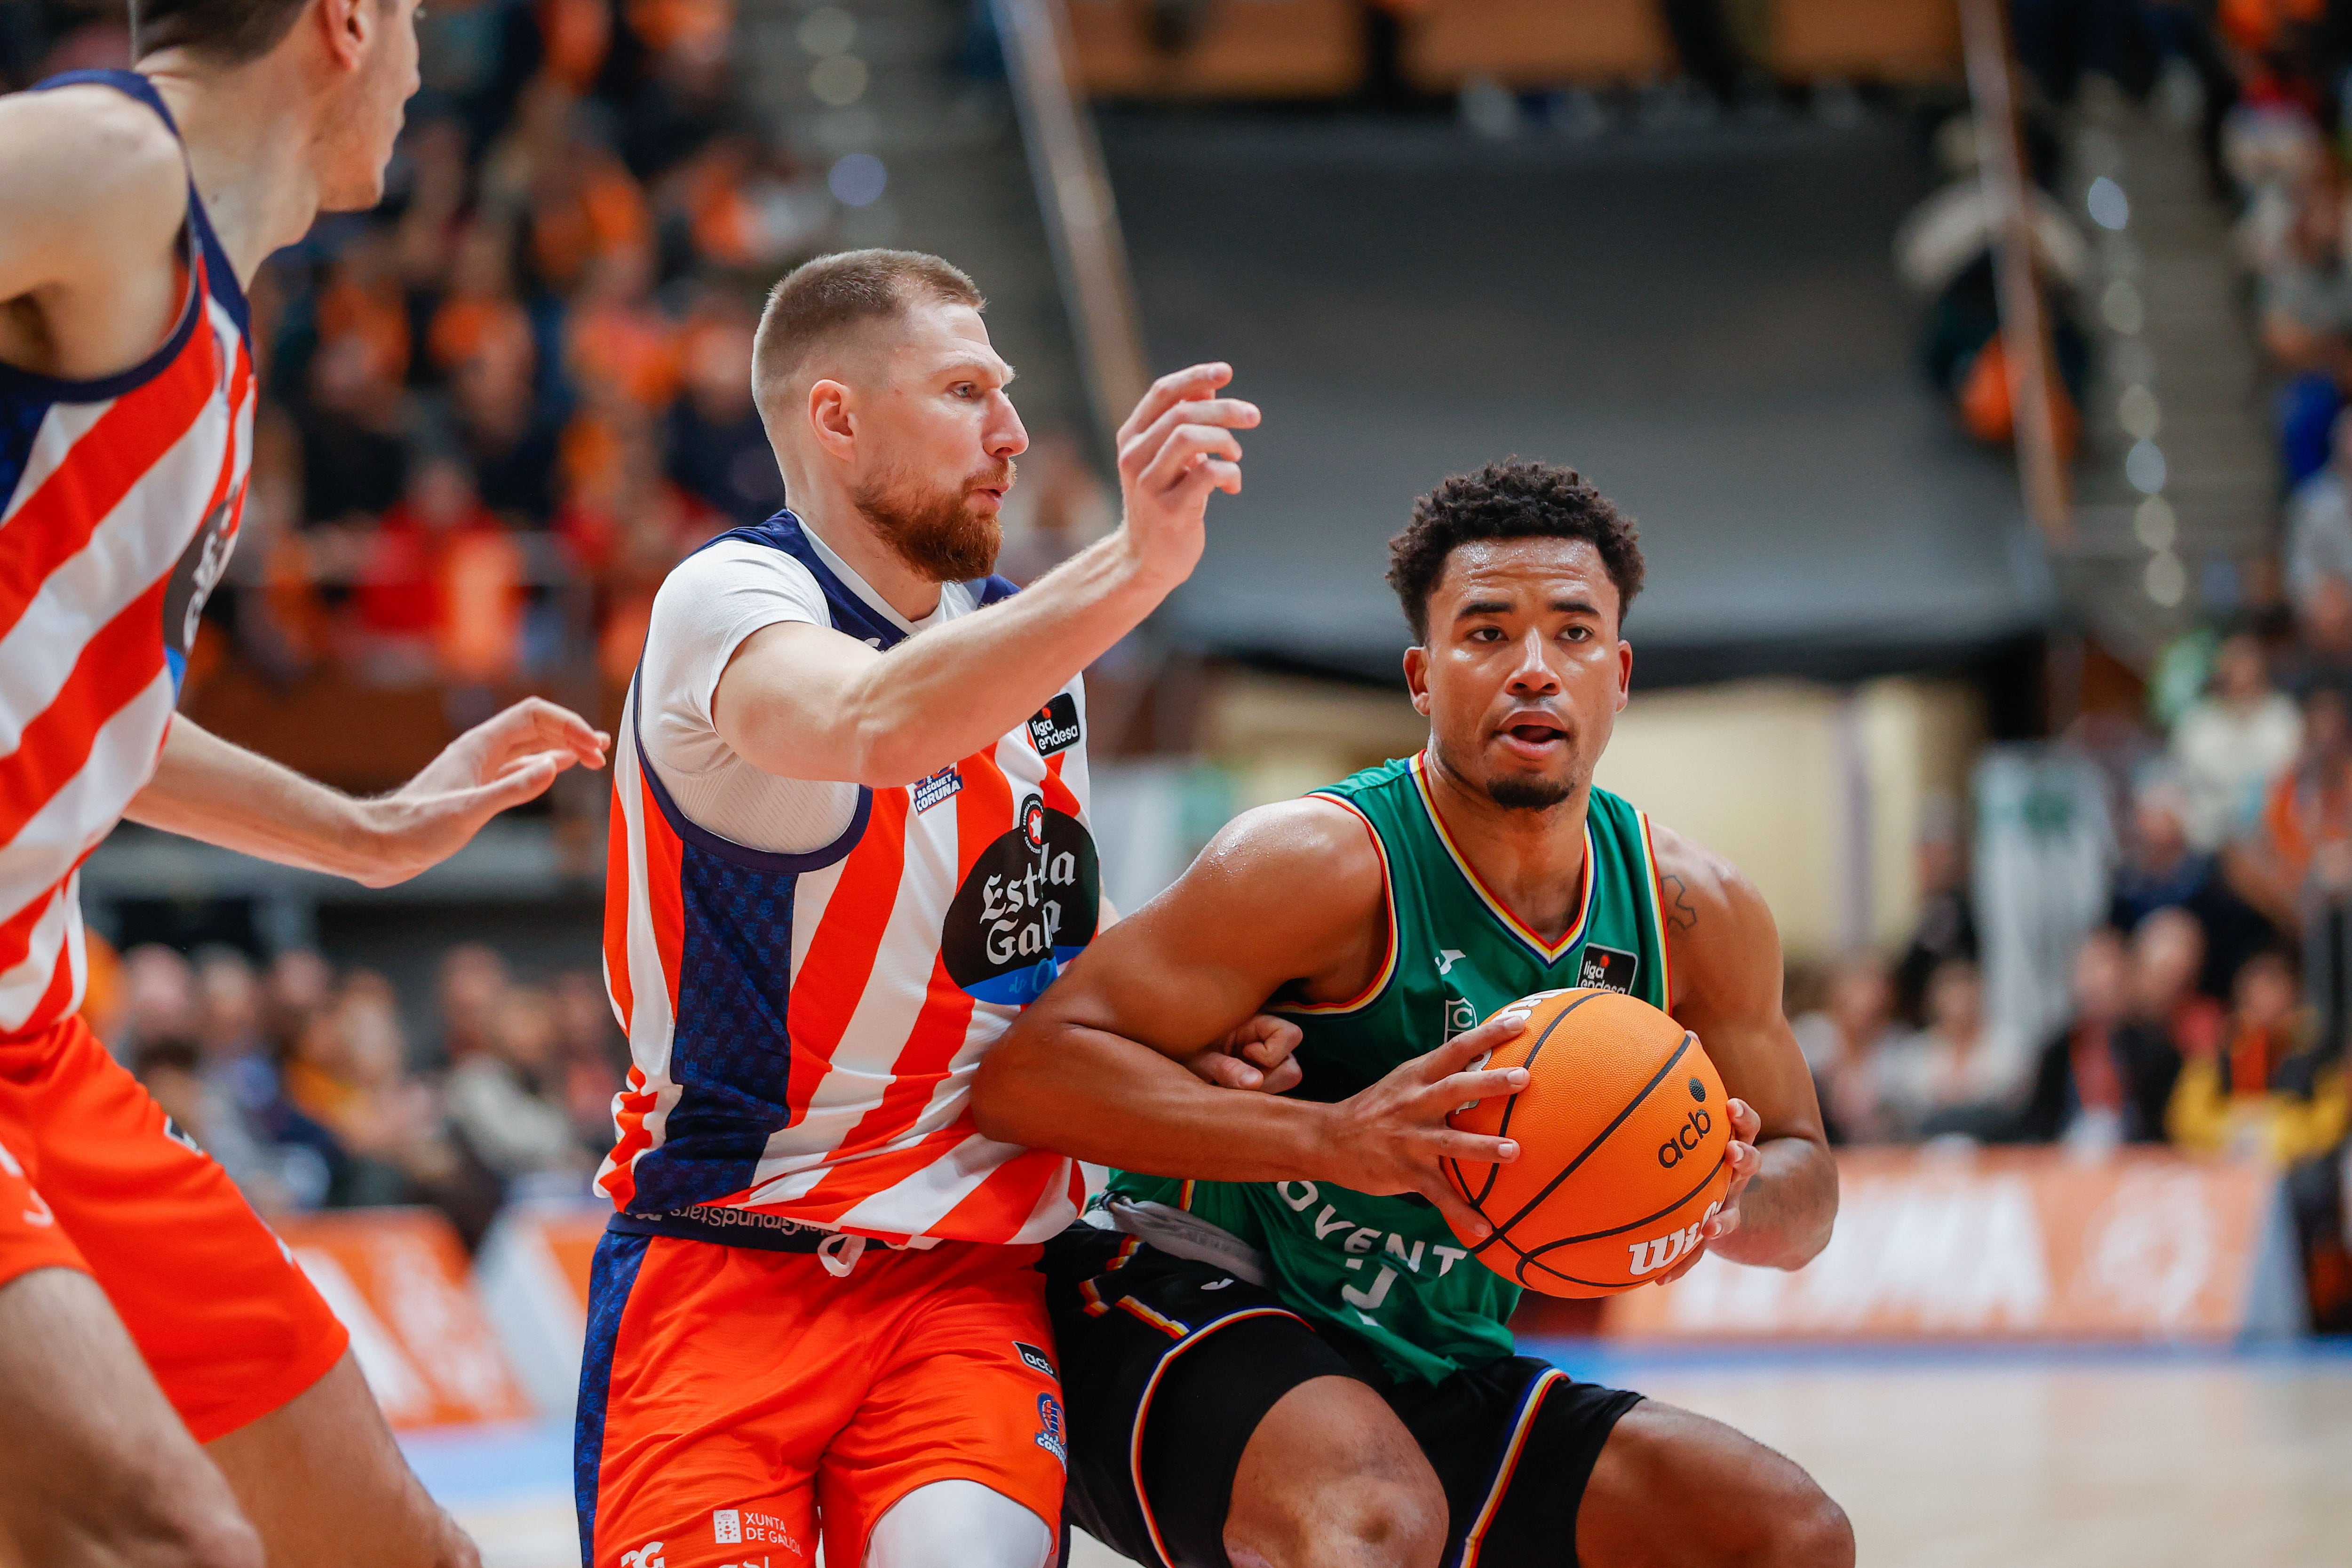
850	841
1273	1361
172	1389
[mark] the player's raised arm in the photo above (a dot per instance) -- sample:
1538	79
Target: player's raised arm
1302	881
806	701
1727	968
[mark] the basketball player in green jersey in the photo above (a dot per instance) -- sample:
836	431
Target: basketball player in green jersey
1275	1351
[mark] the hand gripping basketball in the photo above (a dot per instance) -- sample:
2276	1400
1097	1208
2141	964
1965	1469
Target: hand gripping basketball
1630	1148
1392	1137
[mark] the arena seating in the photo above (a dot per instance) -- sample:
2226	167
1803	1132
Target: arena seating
1893	41
1227	49
1537	42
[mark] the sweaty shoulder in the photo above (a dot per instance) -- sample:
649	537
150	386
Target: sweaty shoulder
86	176
1308	870
1717	924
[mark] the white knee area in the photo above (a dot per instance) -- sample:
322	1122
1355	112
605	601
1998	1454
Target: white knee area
959	1524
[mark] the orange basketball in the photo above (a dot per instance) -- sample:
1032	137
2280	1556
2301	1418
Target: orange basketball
1622	1133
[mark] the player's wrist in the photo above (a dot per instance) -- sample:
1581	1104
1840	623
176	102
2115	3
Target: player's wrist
1149	575
373	839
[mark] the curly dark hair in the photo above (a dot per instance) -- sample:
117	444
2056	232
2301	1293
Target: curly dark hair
1509	499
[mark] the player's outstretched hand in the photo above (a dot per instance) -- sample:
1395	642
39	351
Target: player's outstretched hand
1741	1156
1389	1137
1256	1056
1177	447
502	761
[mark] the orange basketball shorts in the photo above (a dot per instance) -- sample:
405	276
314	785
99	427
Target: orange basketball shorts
733	1401
94	1177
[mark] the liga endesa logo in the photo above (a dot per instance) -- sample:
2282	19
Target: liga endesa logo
1027	906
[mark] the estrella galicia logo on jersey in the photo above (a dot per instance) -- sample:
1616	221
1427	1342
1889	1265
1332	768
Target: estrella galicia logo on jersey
940	786
1049	1427
1606	969
1026	907
1037	1360
1055	727
199	571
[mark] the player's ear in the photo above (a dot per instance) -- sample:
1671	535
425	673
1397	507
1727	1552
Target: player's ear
347	27
1416	677
1624	673
832	421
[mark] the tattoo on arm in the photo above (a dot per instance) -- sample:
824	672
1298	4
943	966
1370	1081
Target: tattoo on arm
1681	913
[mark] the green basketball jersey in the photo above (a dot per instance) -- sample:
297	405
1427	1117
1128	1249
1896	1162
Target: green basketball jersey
1388	1269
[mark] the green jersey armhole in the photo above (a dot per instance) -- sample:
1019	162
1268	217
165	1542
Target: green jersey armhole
1386	972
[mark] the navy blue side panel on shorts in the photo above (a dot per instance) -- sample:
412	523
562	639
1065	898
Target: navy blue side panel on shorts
610	1280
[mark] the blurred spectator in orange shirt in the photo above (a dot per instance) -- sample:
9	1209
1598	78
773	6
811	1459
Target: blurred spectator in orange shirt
362	299
583	206
617	340
401	597
741	208
576	35
479	313
2309	808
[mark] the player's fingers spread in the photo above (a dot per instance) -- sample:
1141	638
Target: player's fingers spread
1477	1148
1456	1054
1186	445
1502	1026
1174	387
1463	1087
1745	1123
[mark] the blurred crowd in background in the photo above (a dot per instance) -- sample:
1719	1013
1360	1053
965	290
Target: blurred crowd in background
501	406
2210	1008
309	1085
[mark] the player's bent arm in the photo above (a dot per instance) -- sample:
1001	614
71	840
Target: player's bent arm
209	789
1094	1068
91	181
807	702
1727	974
1287	900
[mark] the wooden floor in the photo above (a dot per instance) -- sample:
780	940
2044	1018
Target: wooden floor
1961	1460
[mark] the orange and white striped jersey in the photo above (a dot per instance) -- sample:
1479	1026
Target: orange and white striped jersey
804	1027
121	502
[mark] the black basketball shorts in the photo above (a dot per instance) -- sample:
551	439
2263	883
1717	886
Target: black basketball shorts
1169	1364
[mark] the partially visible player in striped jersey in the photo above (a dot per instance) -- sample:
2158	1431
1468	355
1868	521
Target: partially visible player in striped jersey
172	1389
850	842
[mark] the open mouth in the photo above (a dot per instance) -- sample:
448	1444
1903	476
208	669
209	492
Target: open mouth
1534	737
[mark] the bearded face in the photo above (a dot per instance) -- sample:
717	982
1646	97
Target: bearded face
947	532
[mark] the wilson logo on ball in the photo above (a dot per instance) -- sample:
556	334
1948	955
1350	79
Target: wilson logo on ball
1694	1132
